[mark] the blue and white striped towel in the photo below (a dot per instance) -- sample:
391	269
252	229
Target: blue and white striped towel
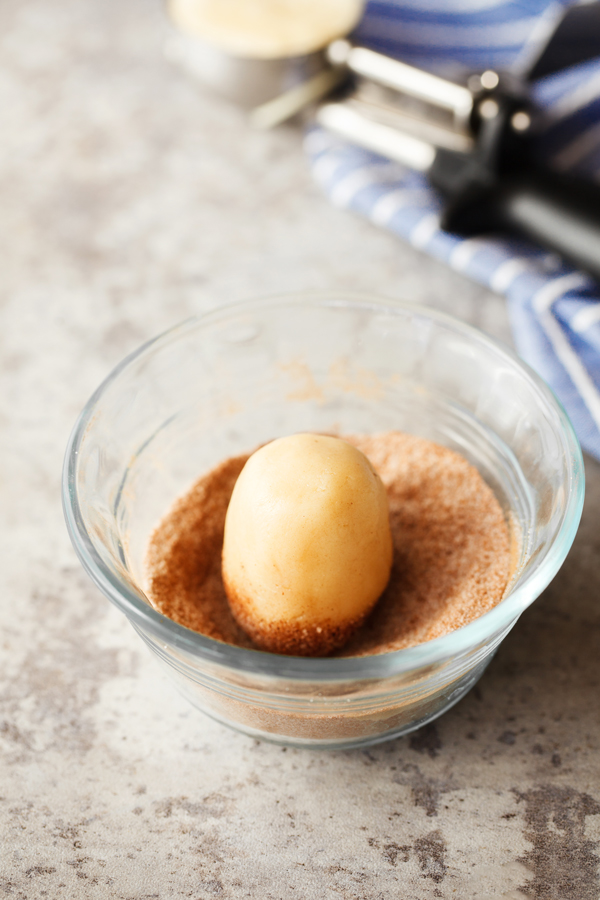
554	310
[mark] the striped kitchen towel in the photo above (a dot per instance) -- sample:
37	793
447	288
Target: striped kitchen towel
554	310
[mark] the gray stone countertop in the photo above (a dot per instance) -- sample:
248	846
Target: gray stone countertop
129	200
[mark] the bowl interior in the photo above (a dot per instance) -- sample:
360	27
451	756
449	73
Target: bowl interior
223	384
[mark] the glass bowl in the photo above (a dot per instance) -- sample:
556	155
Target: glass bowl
223	383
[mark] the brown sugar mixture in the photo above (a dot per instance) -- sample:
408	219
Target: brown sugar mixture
452	550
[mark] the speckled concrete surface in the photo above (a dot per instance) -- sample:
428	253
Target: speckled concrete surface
128	201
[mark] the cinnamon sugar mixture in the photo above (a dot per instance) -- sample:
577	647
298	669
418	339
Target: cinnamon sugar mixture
452	553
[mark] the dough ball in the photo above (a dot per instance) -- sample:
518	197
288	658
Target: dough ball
266	29
307	548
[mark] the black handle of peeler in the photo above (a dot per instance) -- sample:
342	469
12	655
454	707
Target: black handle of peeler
560	212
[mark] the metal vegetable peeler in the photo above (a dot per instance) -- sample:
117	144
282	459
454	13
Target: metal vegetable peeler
474	144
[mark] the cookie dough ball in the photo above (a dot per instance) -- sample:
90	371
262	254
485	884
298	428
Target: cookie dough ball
307	548
266	29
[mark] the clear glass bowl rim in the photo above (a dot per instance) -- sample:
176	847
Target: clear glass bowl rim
146	619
